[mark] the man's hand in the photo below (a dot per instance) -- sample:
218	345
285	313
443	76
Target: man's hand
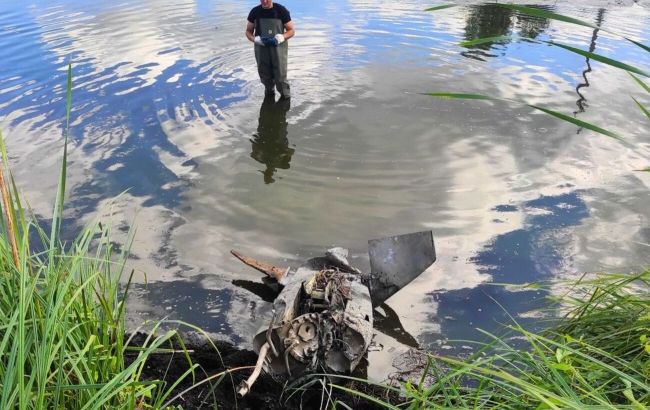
279	38
258	40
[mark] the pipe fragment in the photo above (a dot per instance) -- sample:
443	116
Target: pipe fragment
245	386
271	271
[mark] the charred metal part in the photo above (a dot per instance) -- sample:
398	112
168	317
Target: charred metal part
269	334
397	260
323	316
324	320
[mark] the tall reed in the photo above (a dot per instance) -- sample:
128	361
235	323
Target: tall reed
62	312
598	356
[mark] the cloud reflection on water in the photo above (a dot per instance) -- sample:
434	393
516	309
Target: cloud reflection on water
166	103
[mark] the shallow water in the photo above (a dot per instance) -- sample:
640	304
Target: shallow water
167	107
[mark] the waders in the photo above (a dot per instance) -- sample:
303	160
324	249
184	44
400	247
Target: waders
272	61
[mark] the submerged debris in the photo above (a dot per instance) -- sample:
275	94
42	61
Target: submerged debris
322	318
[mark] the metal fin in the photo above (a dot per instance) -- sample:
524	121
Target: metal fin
397	260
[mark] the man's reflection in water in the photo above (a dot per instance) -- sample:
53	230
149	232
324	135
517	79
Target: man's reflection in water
270	145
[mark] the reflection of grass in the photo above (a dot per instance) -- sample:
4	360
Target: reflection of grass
62	331
598	355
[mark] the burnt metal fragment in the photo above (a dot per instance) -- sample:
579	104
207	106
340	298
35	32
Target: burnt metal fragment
323	316
397	260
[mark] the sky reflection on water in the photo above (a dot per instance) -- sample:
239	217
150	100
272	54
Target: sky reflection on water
167	106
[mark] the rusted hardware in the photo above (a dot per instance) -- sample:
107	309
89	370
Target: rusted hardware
270	270
323	316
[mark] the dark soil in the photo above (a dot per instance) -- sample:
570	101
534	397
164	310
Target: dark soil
266	392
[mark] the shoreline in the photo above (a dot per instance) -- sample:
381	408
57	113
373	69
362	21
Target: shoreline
266	393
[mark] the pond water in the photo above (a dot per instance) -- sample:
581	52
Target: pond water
170	134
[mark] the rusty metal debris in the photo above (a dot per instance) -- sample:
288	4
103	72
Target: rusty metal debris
270	270
323	316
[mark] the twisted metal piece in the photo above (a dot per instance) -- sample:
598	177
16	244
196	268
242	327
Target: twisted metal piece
246	385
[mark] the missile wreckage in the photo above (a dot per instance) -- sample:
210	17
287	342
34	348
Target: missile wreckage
323	314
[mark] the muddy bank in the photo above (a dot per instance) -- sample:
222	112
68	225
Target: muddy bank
266	393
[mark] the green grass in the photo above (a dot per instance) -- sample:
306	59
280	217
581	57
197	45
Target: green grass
553	113
62	321
598	356
62	313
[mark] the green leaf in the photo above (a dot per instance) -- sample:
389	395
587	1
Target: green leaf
440	7
562	367
643	109
602	59
60	195
597	57
630	395
556	114
643	170
641	83
375	400
495	39
461	96
643	46
577	122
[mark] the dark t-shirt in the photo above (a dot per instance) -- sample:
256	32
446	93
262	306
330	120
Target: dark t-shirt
278	11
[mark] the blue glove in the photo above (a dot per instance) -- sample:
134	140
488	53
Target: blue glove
270	41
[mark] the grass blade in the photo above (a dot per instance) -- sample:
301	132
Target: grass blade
643	46
462	96
596	57
440	7
556	114
643	109
641	83
602	59
483	40
57	214
366	396
577	122
8	206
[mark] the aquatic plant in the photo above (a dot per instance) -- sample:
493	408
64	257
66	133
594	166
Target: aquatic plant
63	343
597	355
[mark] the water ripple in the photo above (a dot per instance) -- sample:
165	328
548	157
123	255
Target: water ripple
167	104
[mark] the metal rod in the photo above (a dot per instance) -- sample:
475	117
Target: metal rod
271	271
246	385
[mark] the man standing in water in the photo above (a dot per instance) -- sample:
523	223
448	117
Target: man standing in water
269	27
